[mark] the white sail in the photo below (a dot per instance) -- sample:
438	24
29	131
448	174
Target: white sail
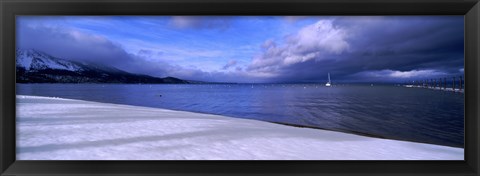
328	84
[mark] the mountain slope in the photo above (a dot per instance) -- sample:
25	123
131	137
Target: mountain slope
38	67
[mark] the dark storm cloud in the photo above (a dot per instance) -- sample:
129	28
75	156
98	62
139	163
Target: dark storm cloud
83	47
361	49
352	49
72	45
229	64
144	52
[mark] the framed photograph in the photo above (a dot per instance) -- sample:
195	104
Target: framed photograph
251	87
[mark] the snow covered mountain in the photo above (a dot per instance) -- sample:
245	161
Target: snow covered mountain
35	60
38	67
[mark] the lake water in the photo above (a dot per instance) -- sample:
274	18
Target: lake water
413	114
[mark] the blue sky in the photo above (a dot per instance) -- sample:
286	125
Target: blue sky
256	49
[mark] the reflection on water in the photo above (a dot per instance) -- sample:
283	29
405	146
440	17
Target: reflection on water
413	114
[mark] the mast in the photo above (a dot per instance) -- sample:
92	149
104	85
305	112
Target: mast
328	84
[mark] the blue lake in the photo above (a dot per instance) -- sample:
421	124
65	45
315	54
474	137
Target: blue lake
413	114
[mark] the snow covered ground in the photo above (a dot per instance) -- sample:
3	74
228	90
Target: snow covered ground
65	129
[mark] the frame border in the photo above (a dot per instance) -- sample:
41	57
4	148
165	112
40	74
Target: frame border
10	8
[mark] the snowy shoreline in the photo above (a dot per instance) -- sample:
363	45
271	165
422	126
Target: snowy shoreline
64	129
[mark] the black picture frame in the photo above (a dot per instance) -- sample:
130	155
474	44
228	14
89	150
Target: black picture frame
10	8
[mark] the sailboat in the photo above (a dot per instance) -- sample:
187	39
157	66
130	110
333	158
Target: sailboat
329	82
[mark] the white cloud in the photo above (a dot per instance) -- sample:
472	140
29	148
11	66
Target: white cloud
403	74
310	43
321	35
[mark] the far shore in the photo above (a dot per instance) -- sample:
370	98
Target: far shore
50	128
